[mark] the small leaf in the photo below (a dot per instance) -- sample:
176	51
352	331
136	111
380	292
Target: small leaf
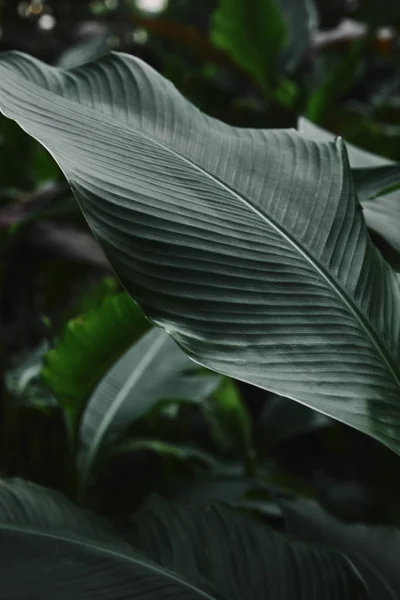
253	32
154	369
89	345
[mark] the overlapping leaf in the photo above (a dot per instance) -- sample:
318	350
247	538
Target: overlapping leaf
242	558
247	246
50	549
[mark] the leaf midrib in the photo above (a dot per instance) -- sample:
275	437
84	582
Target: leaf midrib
120	398
350	304
153	567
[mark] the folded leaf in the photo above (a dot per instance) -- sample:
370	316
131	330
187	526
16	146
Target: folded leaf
247	246
243	559
50	549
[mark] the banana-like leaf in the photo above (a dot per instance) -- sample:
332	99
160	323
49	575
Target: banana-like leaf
374	550
154	369
377	181
248	246
50	549
242	558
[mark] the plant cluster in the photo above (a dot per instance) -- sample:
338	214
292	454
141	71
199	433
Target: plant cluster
201	397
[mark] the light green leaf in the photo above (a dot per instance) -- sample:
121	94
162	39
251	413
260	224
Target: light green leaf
301	17
64	553
154	369
253	32
242	558
89	345
247	246
374	550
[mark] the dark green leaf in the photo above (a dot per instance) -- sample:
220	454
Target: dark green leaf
247	246
154	369
375	551
50	549
242	558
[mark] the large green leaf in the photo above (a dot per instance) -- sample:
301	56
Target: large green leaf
154	369
50	549
374	550
377	182
253	32
243	559
247	246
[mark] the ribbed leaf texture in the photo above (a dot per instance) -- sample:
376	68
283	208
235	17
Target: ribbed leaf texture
242	558
50	549
248	246
374	550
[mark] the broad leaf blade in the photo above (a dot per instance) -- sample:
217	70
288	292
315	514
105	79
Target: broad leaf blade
242	558
154	369
374	550
64	553
247	246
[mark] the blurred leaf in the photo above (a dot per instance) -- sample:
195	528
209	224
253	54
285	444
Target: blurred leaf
253	32
375	551
339	80
301	18
23	380
84	51
89	345
283	419
378	12
154	369
242	558
229	419
164	449
66	553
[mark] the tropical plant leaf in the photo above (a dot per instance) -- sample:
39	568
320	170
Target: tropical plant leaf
247	246
154	369
242	558
64	553
374	550
252	32
89	345
358	158
377	189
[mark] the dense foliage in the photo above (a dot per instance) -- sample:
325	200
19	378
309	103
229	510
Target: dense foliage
200	397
